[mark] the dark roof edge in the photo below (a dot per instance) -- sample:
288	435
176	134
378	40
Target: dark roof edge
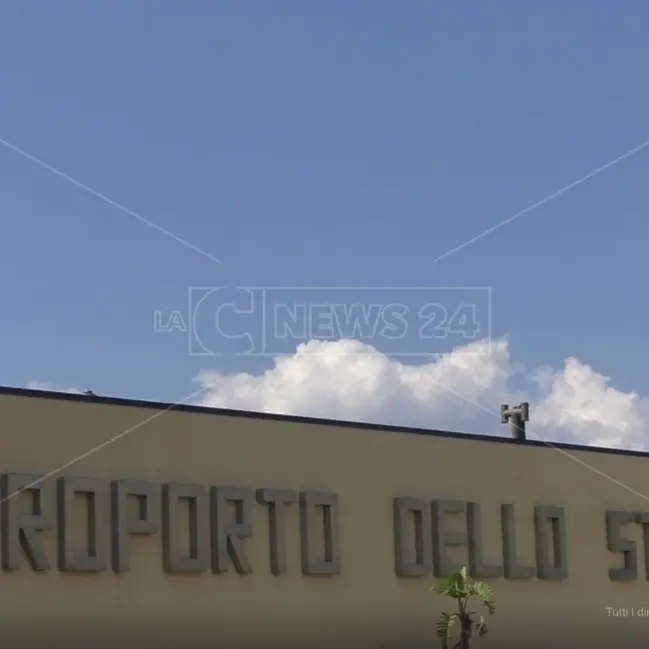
206	410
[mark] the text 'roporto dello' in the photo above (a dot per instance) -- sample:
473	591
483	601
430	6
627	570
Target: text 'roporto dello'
209	528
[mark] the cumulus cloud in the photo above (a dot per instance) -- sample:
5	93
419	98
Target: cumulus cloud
48	387
461	390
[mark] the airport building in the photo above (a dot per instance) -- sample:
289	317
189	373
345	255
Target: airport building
126	520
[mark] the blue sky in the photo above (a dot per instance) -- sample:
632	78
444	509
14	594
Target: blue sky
317	144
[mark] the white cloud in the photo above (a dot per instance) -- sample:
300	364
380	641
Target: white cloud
462	390
579	401
48	387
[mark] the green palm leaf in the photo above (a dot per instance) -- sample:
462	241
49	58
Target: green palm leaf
462	589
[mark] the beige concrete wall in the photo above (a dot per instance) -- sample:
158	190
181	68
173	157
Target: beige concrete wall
366	603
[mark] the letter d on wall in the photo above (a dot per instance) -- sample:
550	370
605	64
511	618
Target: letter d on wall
412	517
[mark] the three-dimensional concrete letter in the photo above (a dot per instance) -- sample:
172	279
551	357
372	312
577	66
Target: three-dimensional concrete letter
551	557
444	538
94	557
277	500
412	518
477	566
513	570
643	519
197	558
614	521
228	531
319	508
20	528
144	520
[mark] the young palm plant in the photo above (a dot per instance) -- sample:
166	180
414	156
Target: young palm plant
466	621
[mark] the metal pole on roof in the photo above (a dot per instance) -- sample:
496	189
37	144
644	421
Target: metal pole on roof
517	417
